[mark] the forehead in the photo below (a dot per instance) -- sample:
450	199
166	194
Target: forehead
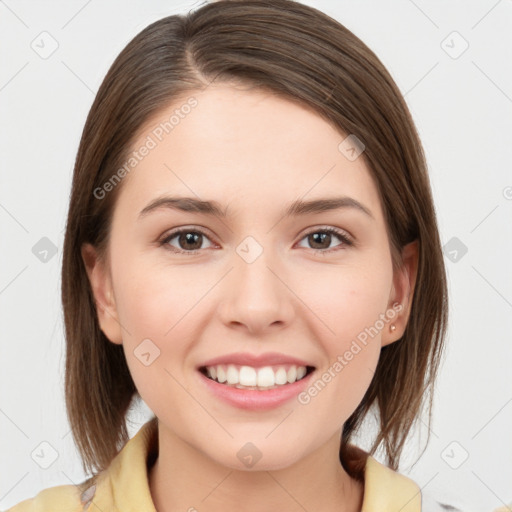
243	146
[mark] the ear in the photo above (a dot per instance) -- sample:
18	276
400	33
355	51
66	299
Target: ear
400	299
101	286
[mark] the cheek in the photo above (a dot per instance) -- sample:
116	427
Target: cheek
154	298
352	352
157	345
154	313
351	307
347	300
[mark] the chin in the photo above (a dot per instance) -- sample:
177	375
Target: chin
263	455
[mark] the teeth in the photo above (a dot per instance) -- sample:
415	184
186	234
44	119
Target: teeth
266	377
232	375
281	377
247	376
221	374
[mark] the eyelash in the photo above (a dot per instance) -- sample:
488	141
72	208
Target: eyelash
333	231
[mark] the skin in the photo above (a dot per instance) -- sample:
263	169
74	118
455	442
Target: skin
254	153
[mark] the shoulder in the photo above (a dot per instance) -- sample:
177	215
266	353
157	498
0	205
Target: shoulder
64	498
386	489
380	473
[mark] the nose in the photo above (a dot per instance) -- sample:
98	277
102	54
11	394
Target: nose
256	296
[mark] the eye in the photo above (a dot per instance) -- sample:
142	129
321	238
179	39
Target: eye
189	240
321	239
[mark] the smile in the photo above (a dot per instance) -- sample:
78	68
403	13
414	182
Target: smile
253	378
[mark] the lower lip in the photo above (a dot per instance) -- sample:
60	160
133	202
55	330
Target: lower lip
252	399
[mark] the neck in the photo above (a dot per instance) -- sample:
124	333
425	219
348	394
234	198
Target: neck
183	478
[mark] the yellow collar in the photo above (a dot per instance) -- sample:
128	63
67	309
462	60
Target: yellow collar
124	485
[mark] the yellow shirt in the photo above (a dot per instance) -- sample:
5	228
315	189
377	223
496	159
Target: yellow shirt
124	486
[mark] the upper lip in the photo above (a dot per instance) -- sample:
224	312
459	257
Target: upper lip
255	360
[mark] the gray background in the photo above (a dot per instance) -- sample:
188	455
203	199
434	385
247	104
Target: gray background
461	100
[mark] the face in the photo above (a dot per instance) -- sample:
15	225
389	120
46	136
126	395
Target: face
235	285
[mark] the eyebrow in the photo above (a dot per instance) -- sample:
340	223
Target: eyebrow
213	208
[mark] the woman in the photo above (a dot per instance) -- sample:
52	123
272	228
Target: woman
271	139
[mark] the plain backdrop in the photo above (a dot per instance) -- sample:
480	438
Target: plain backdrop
451	60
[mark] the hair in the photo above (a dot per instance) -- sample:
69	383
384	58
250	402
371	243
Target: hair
302	55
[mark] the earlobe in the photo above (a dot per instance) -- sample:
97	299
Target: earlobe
101	286
400	300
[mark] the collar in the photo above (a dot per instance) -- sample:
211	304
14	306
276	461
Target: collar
124	485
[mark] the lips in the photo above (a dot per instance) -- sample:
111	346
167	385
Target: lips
290	376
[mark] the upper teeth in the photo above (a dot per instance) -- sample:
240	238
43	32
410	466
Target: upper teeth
264	377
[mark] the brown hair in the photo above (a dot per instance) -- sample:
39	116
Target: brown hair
303	55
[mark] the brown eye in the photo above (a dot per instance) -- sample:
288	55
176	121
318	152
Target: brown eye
321	239
188	240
